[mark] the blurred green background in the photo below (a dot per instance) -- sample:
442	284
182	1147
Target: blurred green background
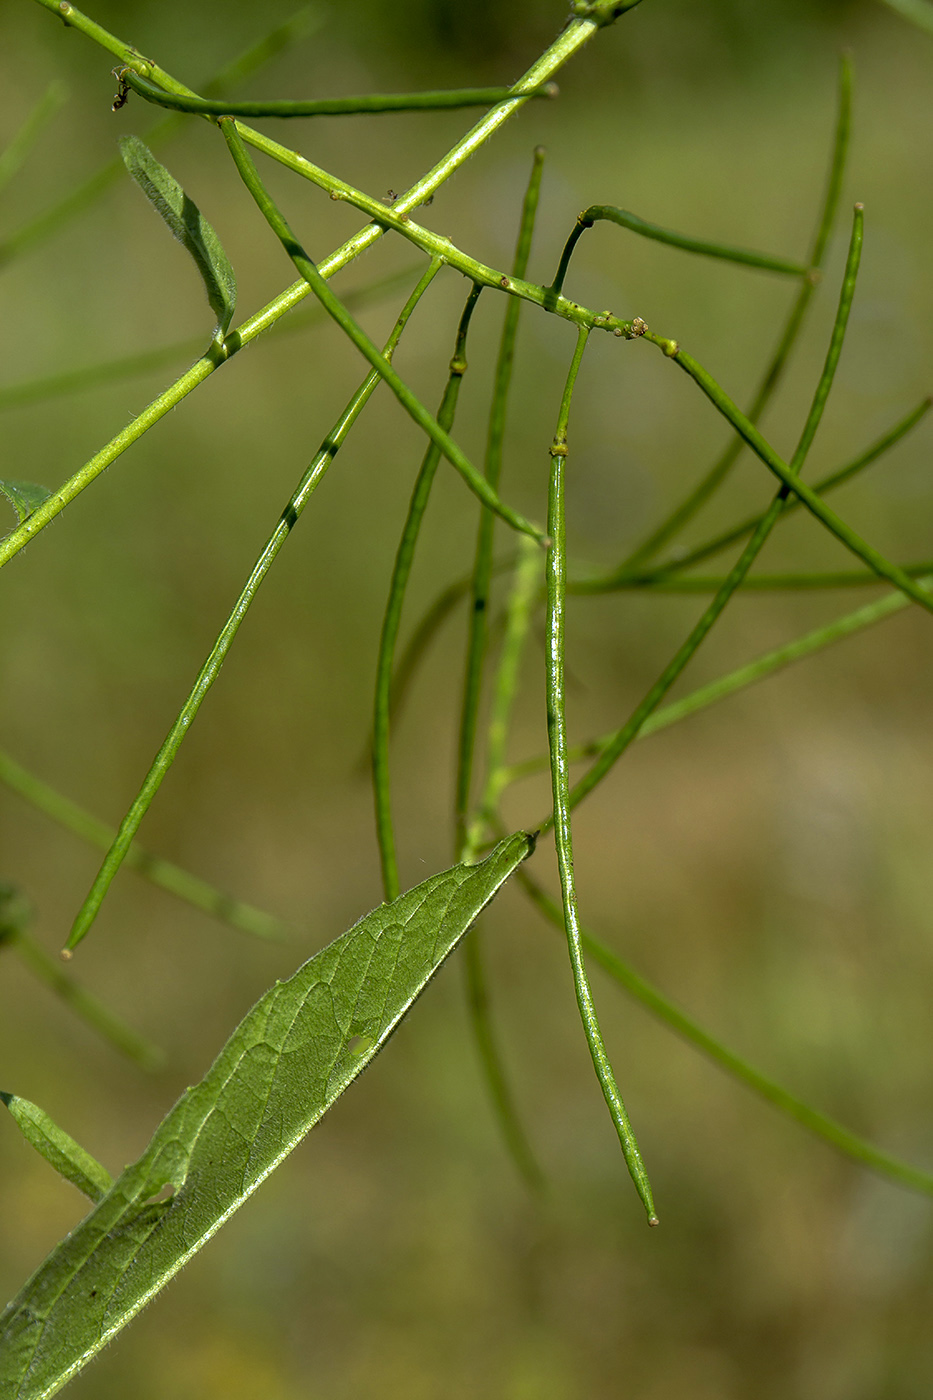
766	863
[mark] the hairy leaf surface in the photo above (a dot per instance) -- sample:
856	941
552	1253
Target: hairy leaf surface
287	1062
189	226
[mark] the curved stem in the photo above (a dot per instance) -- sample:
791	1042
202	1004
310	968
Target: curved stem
385	833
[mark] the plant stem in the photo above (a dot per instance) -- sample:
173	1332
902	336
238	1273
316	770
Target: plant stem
50	220
354	332
211	668
622	578
563	836
385	833
93	1012
18	149
129	366
327	107
478	625
839	1137
629	731
734	681
163	873
808	497
597	213
497	1083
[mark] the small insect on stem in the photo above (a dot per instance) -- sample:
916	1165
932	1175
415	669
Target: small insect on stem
123	89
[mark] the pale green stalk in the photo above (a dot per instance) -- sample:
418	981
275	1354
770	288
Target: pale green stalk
211	668
385	832
839	1137
22	143
560	787
163	873
745	257
808	497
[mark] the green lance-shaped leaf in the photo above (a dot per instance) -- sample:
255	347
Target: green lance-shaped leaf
61	1151
291	1057
24	496
188	225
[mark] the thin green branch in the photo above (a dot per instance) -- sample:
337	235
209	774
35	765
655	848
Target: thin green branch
761	583
354	332
730	684
14	915
22	143
850	1144
629	731
563	836
327	107
663	575
598	213
808	497
385	832
84	194
720	469
571	39
211	668
478	624
129	366
164	873
513	1131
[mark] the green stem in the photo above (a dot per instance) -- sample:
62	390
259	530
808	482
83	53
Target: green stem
734	681
629	731
385	833
832	1132
354	332
572	38
598	213
129	366
50	220
623	578
808	497
720	469
563	836
91	1011
513	1131
211	668
32	128
163	873
327	107
478	625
